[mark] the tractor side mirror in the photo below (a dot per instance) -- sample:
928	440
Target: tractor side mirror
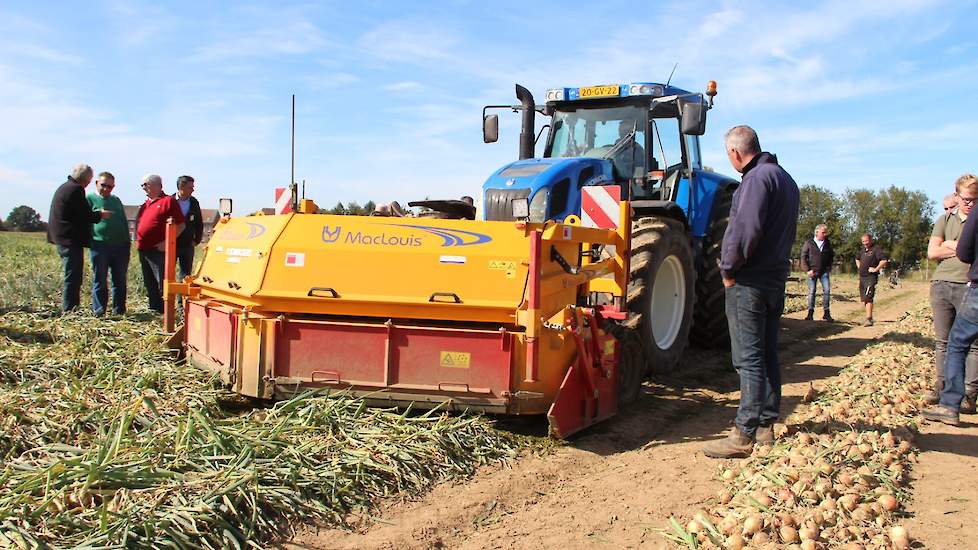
224	208
490	128
693	117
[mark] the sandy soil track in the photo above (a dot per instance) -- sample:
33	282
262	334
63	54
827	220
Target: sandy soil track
616	485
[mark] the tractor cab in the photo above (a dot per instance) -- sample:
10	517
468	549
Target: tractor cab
642	136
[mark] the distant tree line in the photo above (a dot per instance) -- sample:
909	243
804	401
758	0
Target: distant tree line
350	209
899	220
23	218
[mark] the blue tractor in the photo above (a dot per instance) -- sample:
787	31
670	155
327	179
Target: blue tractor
643	137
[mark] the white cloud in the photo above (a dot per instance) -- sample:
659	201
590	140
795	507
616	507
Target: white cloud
413	41
332	80
403	86
258	33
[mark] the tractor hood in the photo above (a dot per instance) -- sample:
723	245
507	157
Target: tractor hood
525	178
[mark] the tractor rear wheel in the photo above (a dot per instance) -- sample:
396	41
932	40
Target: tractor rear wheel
660	290
710	317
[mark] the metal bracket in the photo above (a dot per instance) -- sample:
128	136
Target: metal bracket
556	257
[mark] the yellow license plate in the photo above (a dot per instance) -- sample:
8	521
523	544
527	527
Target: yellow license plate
599	91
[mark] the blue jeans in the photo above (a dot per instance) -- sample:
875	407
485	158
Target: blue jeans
185	261
106	259
151	262
754	317
826	291
963	333
72	263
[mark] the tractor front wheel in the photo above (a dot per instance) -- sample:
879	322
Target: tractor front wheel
661	290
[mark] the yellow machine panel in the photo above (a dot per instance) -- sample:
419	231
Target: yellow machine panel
343	265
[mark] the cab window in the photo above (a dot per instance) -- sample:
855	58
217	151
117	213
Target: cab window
666	148
693	152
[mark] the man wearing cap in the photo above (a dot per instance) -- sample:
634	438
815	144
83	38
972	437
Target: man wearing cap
150	232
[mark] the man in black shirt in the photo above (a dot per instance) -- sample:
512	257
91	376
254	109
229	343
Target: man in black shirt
70	229
869	262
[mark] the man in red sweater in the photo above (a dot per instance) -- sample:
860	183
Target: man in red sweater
150	231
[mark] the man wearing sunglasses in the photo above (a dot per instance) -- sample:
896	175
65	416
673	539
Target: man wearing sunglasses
110	248
964	330
950	202
948	287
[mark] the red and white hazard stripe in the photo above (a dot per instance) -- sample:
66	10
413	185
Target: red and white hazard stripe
283	200
599	206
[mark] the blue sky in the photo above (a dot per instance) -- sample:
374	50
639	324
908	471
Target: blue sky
848	94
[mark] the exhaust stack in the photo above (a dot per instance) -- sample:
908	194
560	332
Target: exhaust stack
527	134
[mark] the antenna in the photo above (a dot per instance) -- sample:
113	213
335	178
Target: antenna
303	188
292	188
674	67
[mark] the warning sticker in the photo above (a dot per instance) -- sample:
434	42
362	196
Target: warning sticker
295	259
454	359
509	266
609	347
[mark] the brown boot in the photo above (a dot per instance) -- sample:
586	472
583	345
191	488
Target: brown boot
968	404
735	445
764	435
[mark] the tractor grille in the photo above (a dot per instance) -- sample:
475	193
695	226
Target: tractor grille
499	203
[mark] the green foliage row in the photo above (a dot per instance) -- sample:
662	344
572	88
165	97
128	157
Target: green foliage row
899	219
107	441
350	209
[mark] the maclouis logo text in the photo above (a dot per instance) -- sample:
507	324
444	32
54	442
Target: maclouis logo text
450	237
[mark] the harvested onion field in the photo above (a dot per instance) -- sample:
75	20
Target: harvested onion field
107	441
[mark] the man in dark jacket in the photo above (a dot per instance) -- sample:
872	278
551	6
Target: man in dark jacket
70	224
754	264
193	231
816	260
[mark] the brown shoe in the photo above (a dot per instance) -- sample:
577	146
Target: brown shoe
735	445
940	413
968	404
932	397
764	435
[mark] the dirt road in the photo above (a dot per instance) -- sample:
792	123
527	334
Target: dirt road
617	485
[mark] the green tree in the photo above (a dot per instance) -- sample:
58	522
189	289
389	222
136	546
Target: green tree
339	209
903	223
369	207
817	206
859	216
24	218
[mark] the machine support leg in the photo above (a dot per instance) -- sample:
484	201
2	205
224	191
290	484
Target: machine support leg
532	351
169	275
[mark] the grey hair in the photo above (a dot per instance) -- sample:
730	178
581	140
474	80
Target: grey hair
79	171
742	139
821	226
152	178
952	198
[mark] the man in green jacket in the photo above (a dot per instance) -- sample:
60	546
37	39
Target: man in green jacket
110	248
